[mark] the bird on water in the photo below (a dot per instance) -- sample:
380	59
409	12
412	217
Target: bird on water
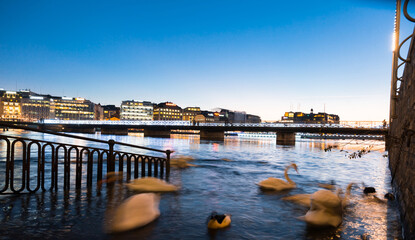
277	184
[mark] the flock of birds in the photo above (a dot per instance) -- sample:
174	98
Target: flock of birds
326	206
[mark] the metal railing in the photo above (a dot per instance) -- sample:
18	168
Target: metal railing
343	124
24	154
396	81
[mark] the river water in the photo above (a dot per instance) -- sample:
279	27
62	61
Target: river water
224	181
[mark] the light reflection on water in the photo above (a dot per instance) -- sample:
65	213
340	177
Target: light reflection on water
216	185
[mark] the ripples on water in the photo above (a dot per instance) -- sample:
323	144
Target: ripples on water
224	181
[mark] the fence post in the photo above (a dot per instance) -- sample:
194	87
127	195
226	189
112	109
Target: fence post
111	162
168	152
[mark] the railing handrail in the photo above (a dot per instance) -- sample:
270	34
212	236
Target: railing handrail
70	144
10	125
88	165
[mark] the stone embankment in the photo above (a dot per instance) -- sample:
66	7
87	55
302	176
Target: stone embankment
401	147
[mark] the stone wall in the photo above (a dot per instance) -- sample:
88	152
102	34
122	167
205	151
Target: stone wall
401	147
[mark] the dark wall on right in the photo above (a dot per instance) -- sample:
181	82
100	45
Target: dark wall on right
401	147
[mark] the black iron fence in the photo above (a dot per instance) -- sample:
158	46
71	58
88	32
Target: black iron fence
31	165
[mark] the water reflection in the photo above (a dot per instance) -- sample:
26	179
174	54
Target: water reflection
215	185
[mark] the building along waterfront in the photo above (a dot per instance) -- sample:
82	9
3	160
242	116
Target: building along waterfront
35	108
111	112
136	110
300	117
167	111
10	106
190	113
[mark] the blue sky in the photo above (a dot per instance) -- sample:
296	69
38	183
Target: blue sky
263	57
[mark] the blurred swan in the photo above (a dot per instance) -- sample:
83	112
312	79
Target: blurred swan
227	160
328	186
326	208
278	184
183	157
301	199
111	177
136	211
182	162
345	199
305	199
151	184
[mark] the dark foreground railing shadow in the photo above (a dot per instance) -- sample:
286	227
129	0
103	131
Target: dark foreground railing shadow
30	165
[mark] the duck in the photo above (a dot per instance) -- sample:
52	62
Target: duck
134	212
217	221
278	184
150	184
370	196
326	208
368	190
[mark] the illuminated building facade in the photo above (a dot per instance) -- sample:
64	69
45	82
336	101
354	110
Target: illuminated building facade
208	116
135	110
189	113
35	107
39	106
67	108
300	117
10	106
167	111
111	112
25	105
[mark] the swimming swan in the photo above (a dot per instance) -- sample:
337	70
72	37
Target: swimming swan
278	184
136	211
182	162
301	199
326	208
151	184
328	186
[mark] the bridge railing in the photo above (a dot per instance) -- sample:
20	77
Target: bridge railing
29	165
121	122
343	124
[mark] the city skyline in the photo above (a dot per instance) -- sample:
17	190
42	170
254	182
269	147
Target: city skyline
35	106
260	58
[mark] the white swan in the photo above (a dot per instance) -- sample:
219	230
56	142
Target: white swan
301	199
278	184
182	162
136	211
345	199
305	199
111	177
328	186
326	208
151	184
